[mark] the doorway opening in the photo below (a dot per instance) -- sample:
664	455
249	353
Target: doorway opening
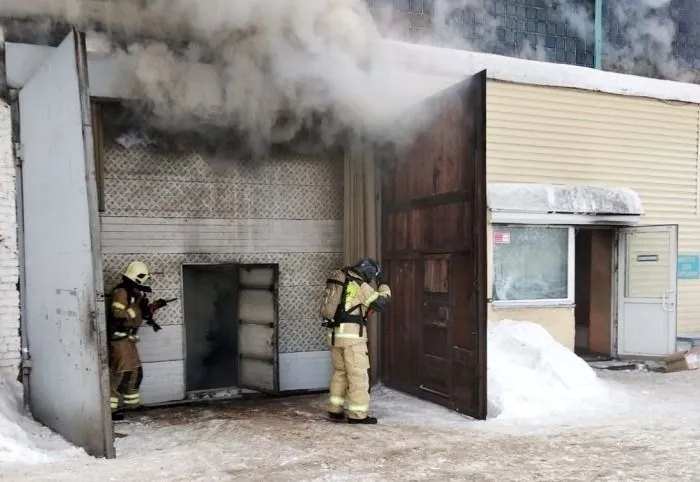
230	318
593	294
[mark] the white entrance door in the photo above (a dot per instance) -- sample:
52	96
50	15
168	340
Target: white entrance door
647	260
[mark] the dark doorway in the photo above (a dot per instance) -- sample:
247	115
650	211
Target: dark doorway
434	250
231	327
210	307
593	297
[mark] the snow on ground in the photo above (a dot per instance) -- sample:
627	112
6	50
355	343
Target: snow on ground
551	418
21	438
531	375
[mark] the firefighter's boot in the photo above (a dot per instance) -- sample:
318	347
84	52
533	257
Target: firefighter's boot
363	421
336	417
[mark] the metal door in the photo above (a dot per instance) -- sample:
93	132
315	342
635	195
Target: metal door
64	303
257	328
434	251
647	263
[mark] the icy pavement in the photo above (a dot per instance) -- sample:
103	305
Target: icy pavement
647	428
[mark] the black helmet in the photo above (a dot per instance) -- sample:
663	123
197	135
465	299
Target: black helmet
368	268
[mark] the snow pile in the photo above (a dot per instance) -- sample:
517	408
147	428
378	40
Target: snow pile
531	375
23	440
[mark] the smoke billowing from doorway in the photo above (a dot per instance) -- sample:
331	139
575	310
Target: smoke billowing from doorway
274	69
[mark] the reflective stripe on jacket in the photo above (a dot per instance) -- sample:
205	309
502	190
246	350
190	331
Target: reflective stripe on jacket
359	296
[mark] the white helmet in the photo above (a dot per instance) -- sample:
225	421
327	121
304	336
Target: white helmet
137	271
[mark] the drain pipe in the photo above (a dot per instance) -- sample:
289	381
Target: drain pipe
598	35
25	363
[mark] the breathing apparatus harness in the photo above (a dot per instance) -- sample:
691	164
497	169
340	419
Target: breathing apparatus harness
341	314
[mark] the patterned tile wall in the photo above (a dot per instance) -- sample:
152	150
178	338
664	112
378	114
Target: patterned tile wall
300	290
143	181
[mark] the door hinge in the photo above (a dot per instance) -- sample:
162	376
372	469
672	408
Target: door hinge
93	319
19	154
26	362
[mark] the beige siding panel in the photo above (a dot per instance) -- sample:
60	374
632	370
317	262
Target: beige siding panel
555	135
558	321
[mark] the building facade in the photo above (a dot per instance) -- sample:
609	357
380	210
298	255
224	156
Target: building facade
560	31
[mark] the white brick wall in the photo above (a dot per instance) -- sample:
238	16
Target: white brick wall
9	264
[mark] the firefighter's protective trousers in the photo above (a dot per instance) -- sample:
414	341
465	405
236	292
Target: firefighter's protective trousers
125	369
349	387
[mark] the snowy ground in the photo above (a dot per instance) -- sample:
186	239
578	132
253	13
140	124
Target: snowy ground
639	426
654	434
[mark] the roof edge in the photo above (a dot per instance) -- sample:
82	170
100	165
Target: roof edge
463	63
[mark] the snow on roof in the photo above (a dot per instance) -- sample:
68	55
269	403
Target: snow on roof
456	64
563	199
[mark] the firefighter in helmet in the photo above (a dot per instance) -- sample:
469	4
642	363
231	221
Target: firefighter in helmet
129	309
347	333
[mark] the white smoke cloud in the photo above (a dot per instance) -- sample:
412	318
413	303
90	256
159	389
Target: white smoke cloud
267	67
644	44
273	67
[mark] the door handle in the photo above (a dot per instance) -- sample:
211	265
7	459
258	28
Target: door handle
668	301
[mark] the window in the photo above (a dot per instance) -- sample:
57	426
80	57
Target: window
533	265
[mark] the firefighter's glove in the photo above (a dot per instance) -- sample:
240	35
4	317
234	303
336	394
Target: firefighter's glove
156	327
156	305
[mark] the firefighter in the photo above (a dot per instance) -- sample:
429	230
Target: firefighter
347	333
128	310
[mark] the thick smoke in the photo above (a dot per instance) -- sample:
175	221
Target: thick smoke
280	69
638	38
272	68
644	39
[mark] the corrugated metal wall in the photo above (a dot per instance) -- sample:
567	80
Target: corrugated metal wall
174	208
554	135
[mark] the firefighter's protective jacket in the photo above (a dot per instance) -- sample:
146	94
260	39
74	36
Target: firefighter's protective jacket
126	314
359	297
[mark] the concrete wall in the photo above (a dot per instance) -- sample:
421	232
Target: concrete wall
9	265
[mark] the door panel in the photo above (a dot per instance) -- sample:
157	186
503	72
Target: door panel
434	251
647	291
257	328
69	379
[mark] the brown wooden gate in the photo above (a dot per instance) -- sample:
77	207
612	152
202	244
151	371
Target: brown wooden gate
434	254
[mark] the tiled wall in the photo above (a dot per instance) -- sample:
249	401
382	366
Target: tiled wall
152	185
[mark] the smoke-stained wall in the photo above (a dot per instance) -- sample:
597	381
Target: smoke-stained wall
174	208
171	207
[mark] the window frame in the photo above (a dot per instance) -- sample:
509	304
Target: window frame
569	301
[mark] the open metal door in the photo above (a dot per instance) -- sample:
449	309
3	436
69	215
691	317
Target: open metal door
64	303
647	281
434	251
258	367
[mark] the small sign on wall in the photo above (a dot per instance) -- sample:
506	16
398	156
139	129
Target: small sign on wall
501	238
647	258
688	266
